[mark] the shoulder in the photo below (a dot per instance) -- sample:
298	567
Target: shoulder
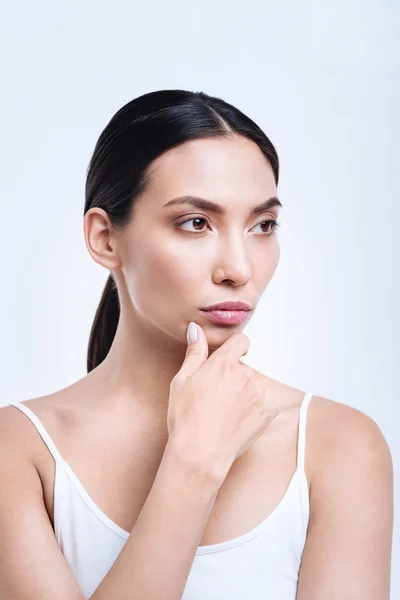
17	453
11	425
335	431
340	439
18	432
338	428
342	442
350	449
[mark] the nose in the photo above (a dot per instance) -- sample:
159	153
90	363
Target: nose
232	262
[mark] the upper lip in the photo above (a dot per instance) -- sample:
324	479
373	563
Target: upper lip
228	306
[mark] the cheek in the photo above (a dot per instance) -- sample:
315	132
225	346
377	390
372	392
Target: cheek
275	255
273	261
265	265
167	270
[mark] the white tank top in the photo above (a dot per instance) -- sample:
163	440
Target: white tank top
262	563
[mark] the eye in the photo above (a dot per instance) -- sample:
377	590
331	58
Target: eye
192	219
271	224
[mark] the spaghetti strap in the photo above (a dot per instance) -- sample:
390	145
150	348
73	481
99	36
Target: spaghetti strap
301	442
41	429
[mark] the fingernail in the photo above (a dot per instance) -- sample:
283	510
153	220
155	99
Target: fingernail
192	333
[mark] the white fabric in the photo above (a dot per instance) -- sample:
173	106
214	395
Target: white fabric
259	565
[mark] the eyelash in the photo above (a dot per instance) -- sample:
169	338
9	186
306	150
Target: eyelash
274	225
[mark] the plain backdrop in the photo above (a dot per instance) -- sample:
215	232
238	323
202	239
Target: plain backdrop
321	79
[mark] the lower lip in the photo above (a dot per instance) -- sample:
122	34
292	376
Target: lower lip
230	317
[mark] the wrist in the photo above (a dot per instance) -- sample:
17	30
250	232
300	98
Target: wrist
197	470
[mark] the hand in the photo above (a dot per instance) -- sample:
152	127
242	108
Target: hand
217	406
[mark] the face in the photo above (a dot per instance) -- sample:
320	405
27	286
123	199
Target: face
177	258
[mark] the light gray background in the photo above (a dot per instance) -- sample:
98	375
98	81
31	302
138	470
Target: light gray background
322	80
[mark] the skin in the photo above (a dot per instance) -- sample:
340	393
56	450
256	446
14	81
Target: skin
116	415
165	273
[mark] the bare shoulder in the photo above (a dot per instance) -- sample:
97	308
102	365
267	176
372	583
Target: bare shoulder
17	432
341	440
13	428
339	429
352	458
17	453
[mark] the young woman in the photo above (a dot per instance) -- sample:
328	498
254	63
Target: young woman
173	469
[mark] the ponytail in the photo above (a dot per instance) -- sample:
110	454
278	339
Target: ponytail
104	325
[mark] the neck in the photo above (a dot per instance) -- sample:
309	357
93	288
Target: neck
136	374
139	367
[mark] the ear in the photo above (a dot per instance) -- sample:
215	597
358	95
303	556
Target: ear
100	238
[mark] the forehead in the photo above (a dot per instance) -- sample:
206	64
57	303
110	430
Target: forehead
216	168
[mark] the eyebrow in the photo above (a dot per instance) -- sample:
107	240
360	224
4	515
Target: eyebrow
204	204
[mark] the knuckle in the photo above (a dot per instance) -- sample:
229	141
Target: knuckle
244	380
225	360
248	372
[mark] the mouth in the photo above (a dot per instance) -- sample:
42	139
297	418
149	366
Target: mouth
231	306
227	317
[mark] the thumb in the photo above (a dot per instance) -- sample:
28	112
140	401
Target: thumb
197	349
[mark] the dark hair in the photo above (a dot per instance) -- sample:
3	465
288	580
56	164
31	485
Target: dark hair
120	167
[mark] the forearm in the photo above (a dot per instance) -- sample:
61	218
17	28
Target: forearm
157	557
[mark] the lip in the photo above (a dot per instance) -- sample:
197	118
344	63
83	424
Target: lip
227	317
230	306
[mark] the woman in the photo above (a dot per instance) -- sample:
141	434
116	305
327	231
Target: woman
172	469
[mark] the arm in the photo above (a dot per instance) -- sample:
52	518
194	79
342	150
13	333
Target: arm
31	563
156	559
349	540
